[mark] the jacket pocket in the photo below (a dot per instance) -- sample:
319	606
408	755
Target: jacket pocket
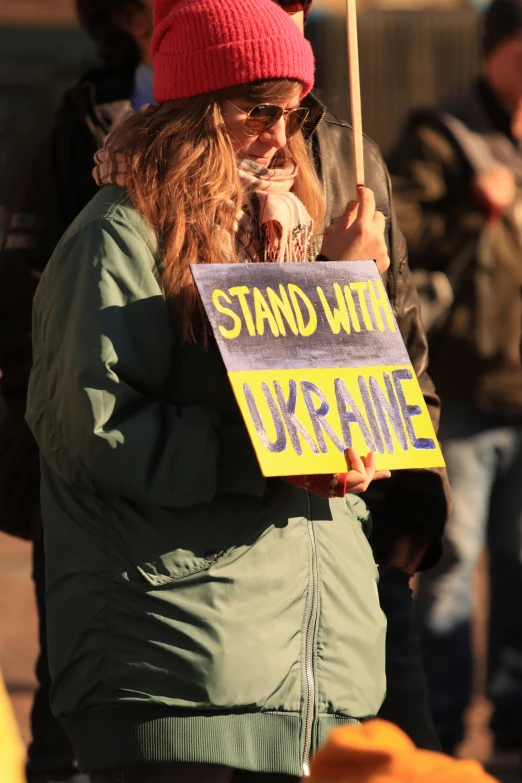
176	565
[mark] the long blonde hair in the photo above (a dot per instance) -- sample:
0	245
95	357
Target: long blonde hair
182	176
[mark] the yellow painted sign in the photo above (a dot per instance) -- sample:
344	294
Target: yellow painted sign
317	364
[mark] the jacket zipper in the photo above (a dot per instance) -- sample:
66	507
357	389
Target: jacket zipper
309	672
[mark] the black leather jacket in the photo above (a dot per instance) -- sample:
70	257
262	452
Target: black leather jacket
415	502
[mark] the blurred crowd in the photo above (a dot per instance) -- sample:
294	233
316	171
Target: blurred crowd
450	251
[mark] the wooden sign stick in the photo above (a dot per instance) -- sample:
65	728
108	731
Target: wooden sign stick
355	89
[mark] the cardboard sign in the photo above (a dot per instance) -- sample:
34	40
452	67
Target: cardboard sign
317	364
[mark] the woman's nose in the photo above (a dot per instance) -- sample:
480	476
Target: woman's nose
276	135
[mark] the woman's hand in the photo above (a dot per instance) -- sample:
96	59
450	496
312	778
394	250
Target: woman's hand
358	234
361	471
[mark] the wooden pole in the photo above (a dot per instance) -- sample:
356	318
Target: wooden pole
355	89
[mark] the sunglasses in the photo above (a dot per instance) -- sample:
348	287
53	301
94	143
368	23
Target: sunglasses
294	6
263	117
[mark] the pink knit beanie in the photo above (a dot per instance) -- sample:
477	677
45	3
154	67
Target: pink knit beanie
200	46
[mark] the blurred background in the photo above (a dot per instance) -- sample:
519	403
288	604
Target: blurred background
412	52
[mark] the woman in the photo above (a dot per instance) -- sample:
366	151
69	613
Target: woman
202	619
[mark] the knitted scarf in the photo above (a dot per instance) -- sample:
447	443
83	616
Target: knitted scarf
273	224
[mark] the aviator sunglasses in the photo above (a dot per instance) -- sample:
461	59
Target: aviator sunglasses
263	117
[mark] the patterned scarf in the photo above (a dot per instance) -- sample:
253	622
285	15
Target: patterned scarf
273	224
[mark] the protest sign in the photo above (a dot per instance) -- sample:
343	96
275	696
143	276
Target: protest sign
317	364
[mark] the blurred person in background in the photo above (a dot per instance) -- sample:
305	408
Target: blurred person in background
457	175
59	185
410	511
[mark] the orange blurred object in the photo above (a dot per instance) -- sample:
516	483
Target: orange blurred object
379	752
12	752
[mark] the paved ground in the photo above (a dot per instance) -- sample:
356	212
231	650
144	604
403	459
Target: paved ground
18	648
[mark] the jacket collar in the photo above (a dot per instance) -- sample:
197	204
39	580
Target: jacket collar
317	110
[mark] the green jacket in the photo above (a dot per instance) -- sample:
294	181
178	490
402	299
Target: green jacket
196	610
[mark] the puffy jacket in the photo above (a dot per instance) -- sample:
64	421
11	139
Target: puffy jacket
196	611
